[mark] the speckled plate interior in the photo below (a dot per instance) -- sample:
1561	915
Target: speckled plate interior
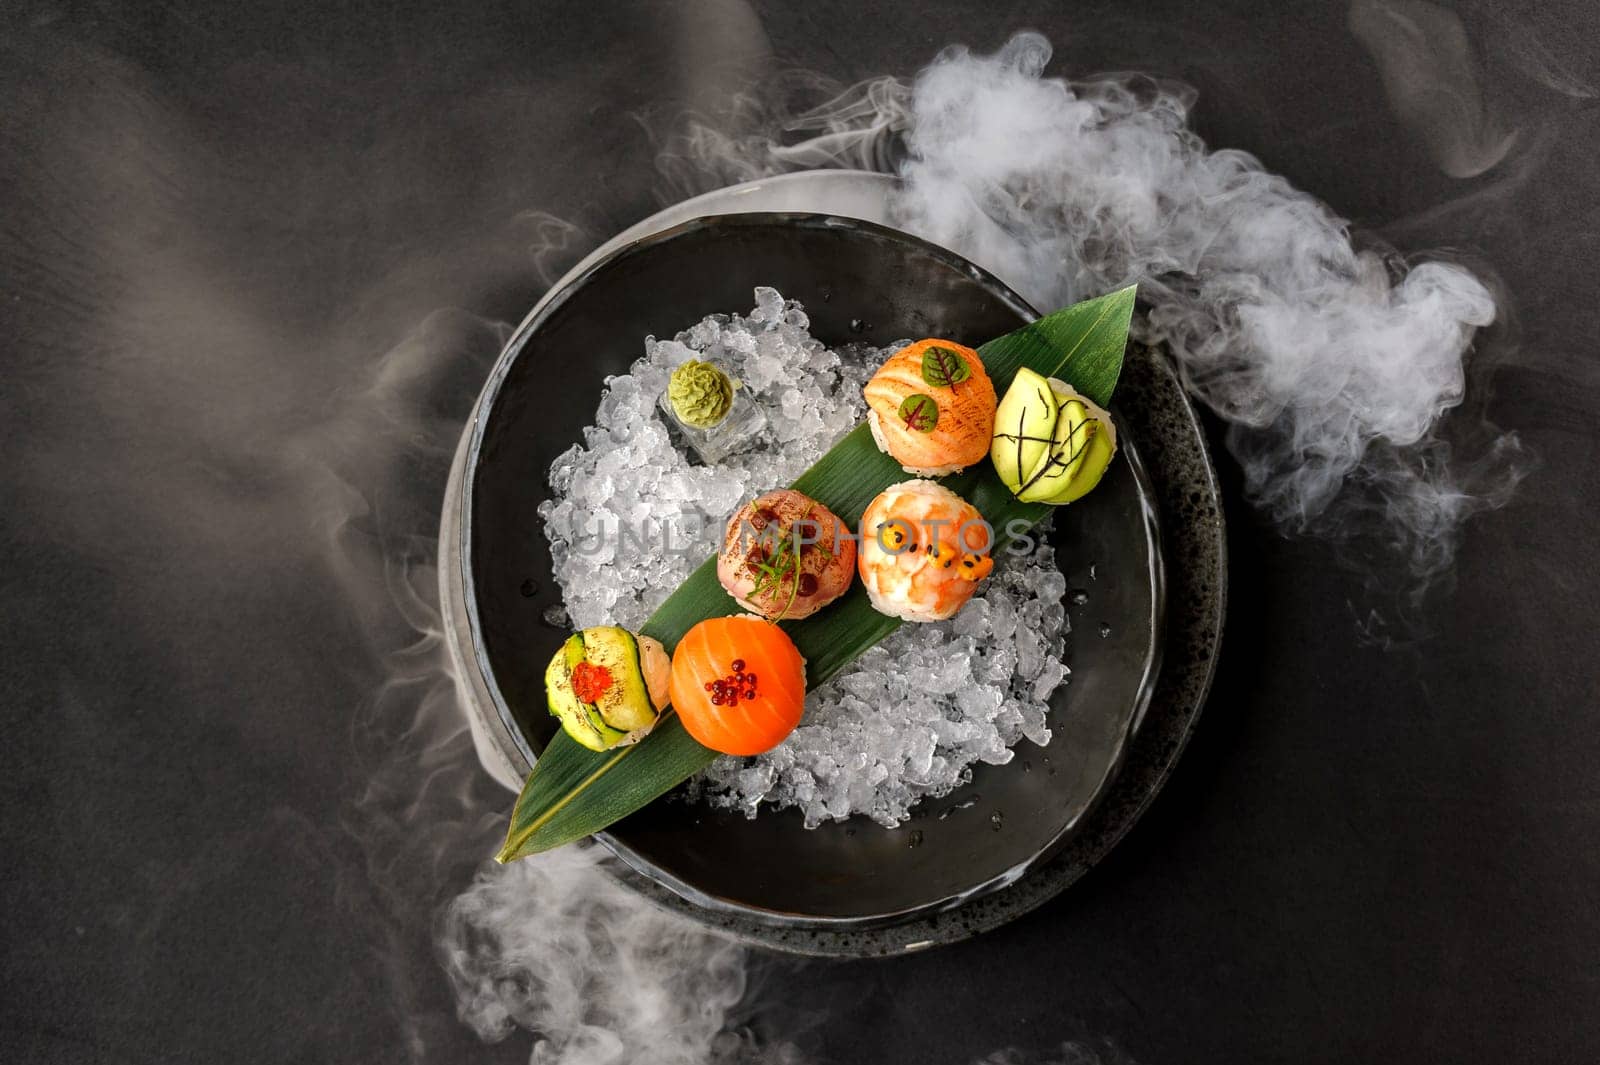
1018	832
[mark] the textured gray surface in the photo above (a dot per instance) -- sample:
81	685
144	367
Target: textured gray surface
218	224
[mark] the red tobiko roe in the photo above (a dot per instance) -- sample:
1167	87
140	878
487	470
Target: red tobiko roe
589	681
727	690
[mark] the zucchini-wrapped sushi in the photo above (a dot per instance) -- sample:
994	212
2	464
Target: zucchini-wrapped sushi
608	686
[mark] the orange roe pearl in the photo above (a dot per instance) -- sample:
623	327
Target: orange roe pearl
589	681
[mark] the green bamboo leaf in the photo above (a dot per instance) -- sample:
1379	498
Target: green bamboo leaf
574	792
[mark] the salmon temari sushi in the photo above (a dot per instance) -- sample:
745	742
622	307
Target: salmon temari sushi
931	407
786	556
738	684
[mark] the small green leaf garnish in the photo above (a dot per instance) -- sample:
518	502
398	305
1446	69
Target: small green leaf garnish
919	412
943	367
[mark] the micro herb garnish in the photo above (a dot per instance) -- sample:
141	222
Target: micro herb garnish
784	562
919	412
943	367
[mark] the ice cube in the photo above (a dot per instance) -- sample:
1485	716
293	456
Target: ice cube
769	305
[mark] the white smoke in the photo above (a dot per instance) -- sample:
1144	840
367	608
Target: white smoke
1073	1052
1333	361
557	946
1431	75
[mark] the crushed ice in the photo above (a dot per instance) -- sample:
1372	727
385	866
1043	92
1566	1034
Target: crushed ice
910	718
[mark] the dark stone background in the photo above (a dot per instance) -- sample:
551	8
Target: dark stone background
217	220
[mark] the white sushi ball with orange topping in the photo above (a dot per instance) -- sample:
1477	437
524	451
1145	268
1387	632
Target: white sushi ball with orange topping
923	551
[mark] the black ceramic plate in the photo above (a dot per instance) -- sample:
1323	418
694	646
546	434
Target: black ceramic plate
770	877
